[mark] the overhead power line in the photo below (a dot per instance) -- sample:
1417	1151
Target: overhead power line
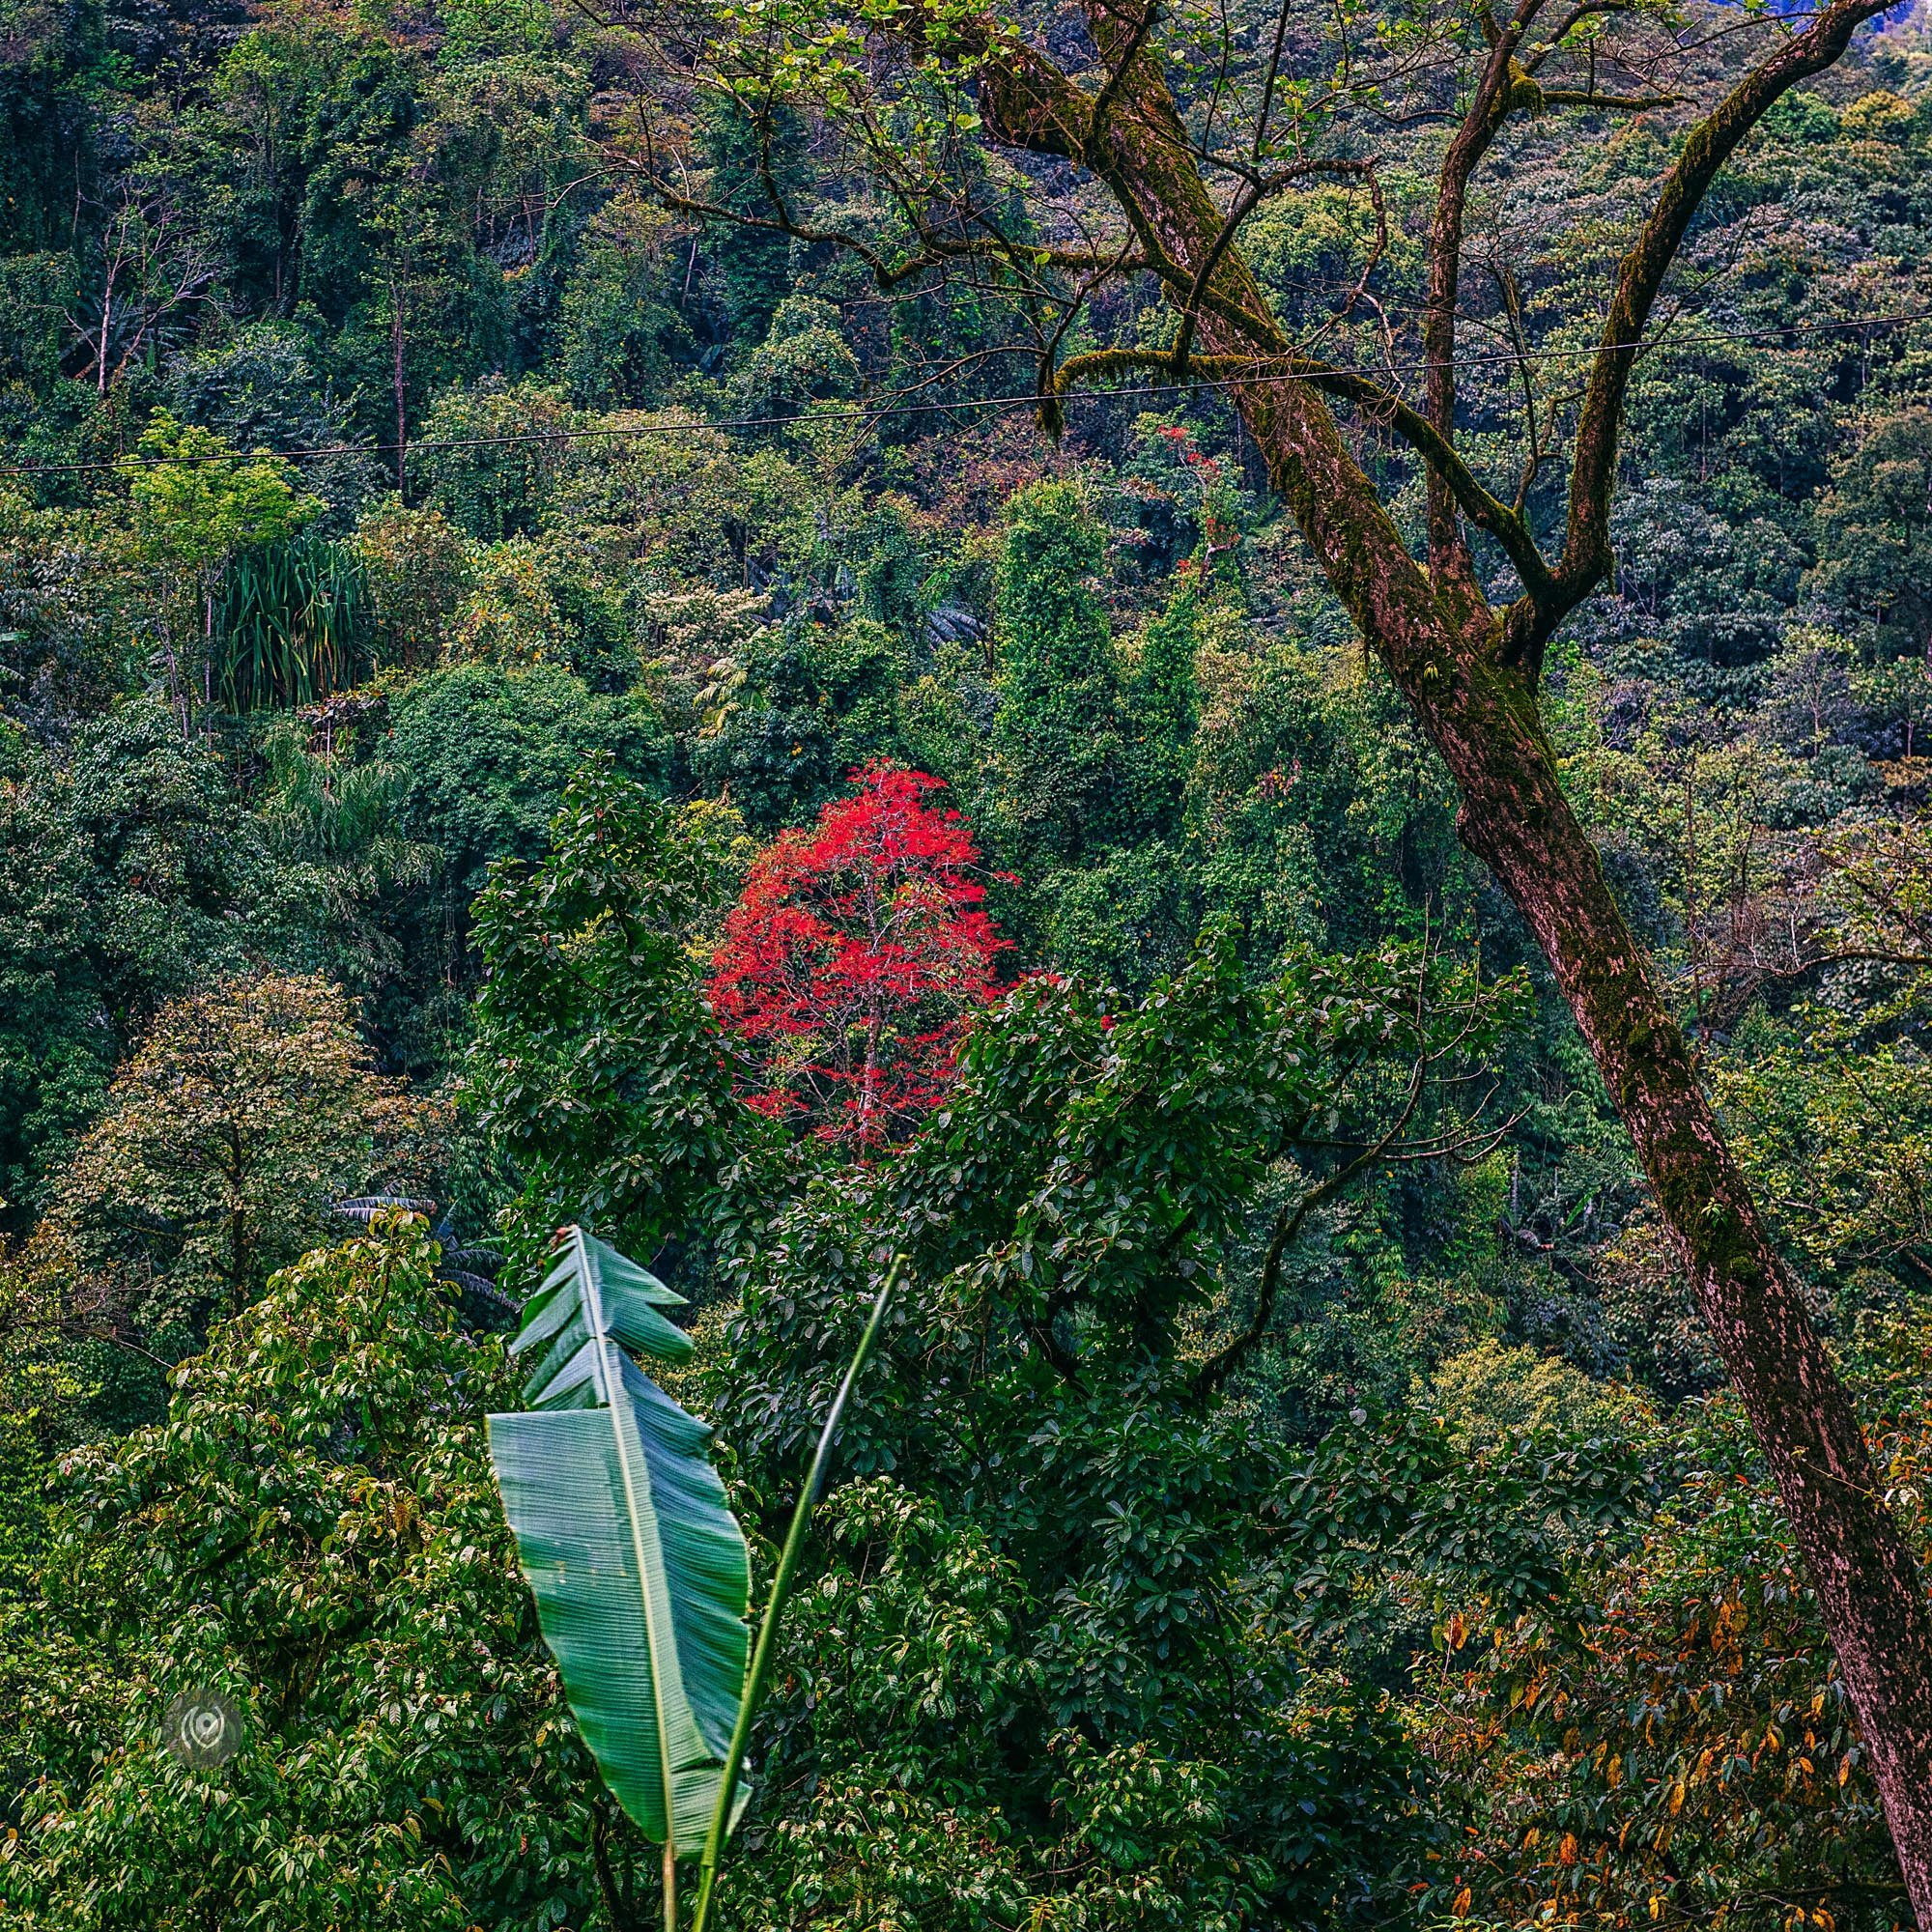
880	412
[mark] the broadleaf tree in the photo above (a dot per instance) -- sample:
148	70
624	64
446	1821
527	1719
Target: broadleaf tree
312	1530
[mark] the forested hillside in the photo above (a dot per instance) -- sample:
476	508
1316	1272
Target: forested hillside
798	633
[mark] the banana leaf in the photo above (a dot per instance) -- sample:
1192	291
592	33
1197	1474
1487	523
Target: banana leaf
639	1568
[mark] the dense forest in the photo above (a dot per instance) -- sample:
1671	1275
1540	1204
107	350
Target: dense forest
1254	681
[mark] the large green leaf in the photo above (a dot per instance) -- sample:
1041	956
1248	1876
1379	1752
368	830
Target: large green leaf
638	1566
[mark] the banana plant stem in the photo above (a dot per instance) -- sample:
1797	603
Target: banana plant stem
781	1582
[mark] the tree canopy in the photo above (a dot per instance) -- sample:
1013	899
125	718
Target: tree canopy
1204	728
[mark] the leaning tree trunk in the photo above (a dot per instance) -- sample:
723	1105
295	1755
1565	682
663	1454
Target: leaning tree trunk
1443	645
1515	819
1480	715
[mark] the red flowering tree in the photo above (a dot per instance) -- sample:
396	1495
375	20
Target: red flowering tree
855	955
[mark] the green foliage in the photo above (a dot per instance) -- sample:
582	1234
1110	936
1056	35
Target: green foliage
487	751
197	500
1057	736
262	389
1695	1754
1320	815
32	290
1126	918
344	868
50	131
604	1082
121	871
68	588
1875	531
1491	1389
417	567
1164	703
486	463
1840	1146
313	1530
807	707
803	359
616	322
750	267
242	1117
1073	1536
1451	1578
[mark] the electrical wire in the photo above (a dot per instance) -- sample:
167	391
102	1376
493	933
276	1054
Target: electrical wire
872	413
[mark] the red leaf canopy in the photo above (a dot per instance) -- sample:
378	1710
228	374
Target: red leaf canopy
853	957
